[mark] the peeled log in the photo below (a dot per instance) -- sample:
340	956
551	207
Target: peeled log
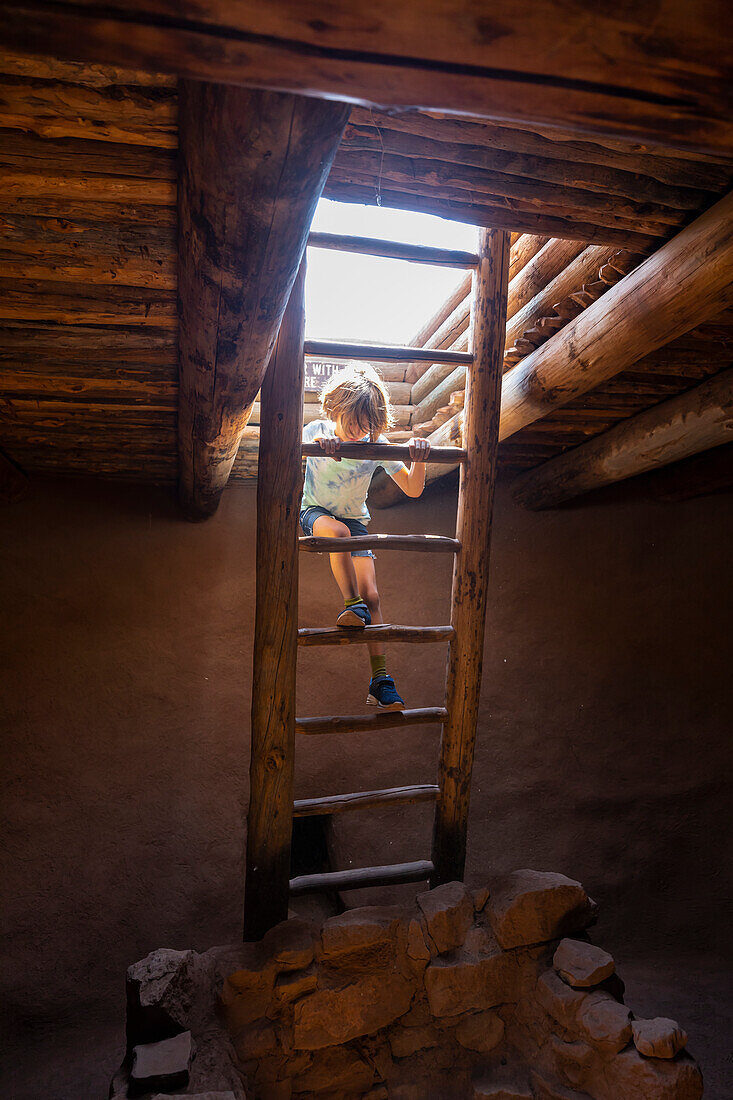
523	249
677	288
555	264
553	258
583	269
685	425
238	260
682	285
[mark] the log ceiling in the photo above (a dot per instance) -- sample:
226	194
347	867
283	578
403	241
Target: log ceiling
650	72
487	174
88	242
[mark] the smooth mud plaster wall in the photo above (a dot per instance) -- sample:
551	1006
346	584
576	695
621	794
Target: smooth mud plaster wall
124	703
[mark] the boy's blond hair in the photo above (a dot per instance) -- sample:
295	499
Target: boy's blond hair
359	396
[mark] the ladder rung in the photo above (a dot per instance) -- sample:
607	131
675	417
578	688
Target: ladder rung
384	353
372	246
449	456
363	876
314	544
364	723
340	803
335	635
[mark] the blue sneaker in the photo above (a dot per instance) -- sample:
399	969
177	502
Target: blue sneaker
358	615
382	694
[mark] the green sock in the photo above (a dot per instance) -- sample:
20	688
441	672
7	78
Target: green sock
353	602
379	666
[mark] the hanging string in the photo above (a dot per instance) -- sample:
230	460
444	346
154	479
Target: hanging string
378	188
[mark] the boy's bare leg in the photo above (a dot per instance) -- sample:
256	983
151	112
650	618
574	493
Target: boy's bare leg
341	564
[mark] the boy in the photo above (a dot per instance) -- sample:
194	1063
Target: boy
356	408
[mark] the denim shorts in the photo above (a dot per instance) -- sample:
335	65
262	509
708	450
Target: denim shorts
309	516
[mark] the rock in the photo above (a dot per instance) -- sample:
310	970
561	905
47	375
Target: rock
632	1076
164	1065
339	1070
360	930
528	907
581	964
558	999
658	1038
194	1096
417	949
470	979
448	912
289	945
405	1041
604	1023
162	990
571	1059
257	1041
482	1031
480	897
331	1016
295	983
549	1090
246	996
496	1085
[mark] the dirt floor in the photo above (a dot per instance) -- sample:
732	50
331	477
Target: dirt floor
76	1062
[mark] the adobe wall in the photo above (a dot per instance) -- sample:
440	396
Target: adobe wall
124	702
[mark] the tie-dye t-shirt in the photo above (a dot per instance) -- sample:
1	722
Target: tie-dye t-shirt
340	487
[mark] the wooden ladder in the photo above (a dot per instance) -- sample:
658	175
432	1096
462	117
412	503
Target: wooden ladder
277	638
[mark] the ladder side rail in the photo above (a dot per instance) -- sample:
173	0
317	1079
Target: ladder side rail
279	489
471	566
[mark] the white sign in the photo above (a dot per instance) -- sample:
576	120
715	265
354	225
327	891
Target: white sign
318	372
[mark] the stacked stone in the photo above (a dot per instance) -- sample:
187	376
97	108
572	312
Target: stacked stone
461	995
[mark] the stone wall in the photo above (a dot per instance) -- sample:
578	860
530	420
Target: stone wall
496	994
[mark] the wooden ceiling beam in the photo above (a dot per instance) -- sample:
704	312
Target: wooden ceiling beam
252	168
695	421
606	75
682	285
679	286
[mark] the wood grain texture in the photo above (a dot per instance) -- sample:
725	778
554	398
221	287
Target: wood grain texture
326	635
238	259
339	349
360	877
390	451
695	421
429	544
471	568
368	723
605	75
395	250
365	800
272	762
677	288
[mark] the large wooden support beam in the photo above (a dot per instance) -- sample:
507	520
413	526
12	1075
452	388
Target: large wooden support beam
252	166
471	569
664	82
279	489
678	287
685	425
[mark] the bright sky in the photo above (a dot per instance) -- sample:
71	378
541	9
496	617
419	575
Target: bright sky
351	297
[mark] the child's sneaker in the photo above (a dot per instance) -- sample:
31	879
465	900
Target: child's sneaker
382	694
356	615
